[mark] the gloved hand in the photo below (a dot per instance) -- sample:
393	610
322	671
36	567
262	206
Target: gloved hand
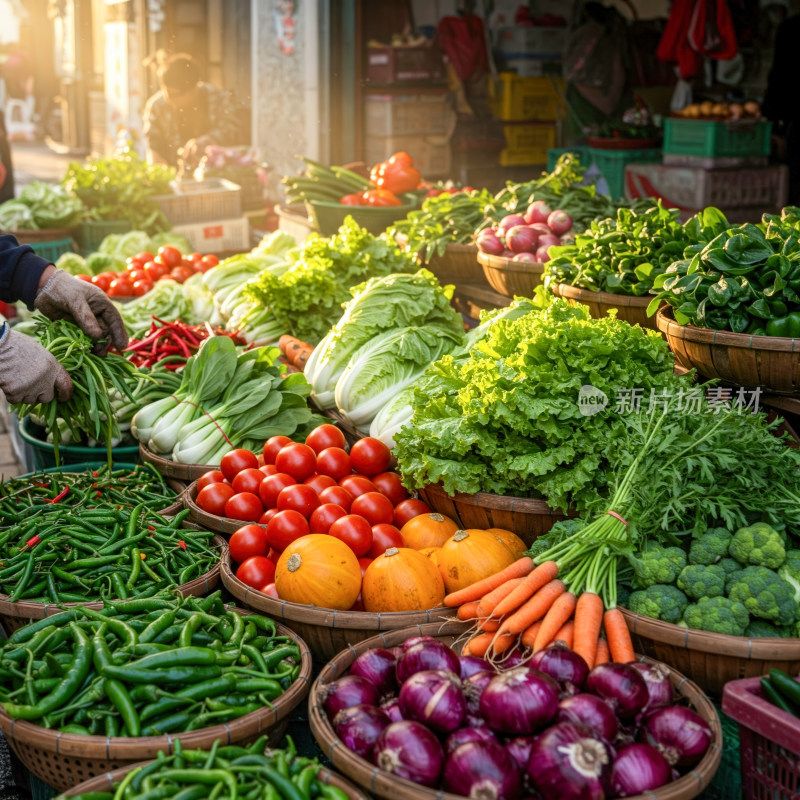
29	373
65	297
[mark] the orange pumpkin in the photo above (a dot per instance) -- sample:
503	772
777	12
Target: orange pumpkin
402	579
432	553
427	530
318	570
470	556
511	541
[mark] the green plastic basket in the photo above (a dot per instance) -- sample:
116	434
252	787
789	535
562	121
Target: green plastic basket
713	139
328	217
91	234
54	249
554	153
727	783
611	164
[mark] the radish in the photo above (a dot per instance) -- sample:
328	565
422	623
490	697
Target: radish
525	257
488	242
509	222
521	239
548	240
568	238
543	253
538	211
559	222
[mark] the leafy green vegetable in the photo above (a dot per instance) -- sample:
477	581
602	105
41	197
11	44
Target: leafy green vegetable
166	300
41	205
73	263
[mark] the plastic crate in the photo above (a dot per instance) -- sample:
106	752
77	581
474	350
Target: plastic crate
217	236
527	143
387	64
91	234
611	165
431	154
515	97
715	139
727	782
201	201
52	250
769	742
408	115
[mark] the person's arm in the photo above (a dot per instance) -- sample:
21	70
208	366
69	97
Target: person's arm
224	118
21	271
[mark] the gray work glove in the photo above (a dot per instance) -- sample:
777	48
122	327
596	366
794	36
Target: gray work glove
29	373
65	297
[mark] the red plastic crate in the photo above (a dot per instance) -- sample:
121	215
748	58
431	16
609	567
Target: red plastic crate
769	742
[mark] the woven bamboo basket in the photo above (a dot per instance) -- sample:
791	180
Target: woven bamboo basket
326	631
527	517
16	615
43	235
172	469
458	264
223	525
63	760
711	659
510	277
630	309
107	781
383	784
769	362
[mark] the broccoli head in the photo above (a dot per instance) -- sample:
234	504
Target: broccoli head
658	565
700	581
730	565
790	572
711	547
765	595
758	546
718	615
761	629
659	601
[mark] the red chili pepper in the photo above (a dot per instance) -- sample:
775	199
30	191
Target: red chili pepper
98	493
182	544
33	541
60	496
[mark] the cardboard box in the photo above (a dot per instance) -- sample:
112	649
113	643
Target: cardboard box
218	236
431	154
427	114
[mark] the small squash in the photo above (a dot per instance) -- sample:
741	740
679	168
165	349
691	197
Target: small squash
511	541
432	553
470	556
402	579
427	530
318	570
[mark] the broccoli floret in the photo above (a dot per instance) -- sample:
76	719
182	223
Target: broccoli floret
711	547
658	565
718	615
758	546
700	581
765	595
733	577
660	602
761	629
730	565
790	572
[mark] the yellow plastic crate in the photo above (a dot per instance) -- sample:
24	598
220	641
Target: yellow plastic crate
527	143
517	98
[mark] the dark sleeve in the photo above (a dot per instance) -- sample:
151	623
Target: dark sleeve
20	270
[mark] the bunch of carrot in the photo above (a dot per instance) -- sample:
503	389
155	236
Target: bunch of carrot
528	605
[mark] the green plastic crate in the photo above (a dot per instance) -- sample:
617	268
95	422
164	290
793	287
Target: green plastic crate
727	782
611	164
554	153
52	250
91	234
712	139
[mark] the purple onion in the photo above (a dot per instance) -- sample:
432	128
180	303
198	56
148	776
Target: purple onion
563	665
396	652
392	709
590	711
473	689
409	750
415	640
659	686
359	727
509	221
472	664
512	659
482	771
435	698
680	734
638	768
464	735
520	750
519	701
621	686
377	667
474	720
426	656
347	692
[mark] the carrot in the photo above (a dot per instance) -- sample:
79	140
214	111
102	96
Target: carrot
489	625
519	569
478	645
523	592
534	609
602	655
295	350
529	634
588	619
619	637
488	602
468	610
558	615
565	633
503	643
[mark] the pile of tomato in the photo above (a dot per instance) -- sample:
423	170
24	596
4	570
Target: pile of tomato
296	488
144	269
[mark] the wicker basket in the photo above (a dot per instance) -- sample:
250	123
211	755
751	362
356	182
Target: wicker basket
65	759
526	517
223	525
384	784
509	277
711	659
43	235
17	615
630	309
769	362
326	630
172	469
458	264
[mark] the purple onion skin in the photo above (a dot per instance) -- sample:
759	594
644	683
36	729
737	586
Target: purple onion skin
519	702
392	709
568	763
359	727
681	735
482	771
464	735
520	750
472	664
474	720
426	656
397	652
621	686
349	691
378	667
473	689
415	640
638	768
590	711
659	686
434	697
566	667
512	659
409	750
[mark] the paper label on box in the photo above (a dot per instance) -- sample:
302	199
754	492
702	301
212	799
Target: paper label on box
212	232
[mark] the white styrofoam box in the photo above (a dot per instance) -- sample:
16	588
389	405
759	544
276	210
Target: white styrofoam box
539	41
217	236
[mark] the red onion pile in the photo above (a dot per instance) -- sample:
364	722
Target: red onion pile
550	728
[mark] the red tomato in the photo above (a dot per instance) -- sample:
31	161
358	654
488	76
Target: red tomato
271	487
141	287
137	274
249	540
207	262
384	537
155	270
192	260
171	256
338	496
324	437
322	517
270	590
87	278
364	563
248	480
408	509
234	461
357	485
267	516
274	554
389	484
143	257
120	287
285	527
273	446
301	498
260	460
268	469
298	460
257	571
319	482
213	498
355	532
370	456
103	280
181	273
207	478
244	506
374	507
333	461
